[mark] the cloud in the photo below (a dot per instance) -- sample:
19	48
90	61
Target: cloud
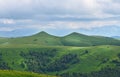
60	25
7	21
58	14
7	29
33	8
44	9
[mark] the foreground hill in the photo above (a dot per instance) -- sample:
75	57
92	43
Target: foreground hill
6	73
63	61
73	39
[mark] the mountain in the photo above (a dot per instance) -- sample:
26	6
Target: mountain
77	39
116	37
73	39
41	38
6	73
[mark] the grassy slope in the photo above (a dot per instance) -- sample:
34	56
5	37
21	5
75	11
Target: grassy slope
6	73
3	41
91	61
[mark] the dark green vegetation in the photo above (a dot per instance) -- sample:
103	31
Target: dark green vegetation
73	39
74	55
6	73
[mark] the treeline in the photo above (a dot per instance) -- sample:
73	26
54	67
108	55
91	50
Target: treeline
43	61
63	63
3	65
37	59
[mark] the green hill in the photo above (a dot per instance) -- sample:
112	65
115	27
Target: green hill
73	39
3	40
61	60
41	38
7	73
77	39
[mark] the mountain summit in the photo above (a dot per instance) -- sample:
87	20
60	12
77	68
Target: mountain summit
75	34
41	33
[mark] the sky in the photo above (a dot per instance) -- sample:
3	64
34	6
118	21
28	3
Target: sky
59	17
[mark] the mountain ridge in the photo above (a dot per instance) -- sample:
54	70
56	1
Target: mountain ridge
46	33
72	39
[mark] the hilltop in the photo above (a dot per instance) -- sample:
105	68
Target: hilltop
73	39
77	39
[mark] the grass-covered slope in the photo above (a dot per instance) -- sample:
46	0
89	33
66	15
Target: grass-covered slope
3	41
73	39
59	60
7	73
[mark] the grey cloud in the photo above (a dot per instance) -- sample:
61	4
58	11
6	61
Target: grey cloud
31	8
41	12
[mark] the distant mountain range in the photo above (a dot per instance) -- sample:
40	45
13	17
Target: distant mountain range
73	39
116	37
